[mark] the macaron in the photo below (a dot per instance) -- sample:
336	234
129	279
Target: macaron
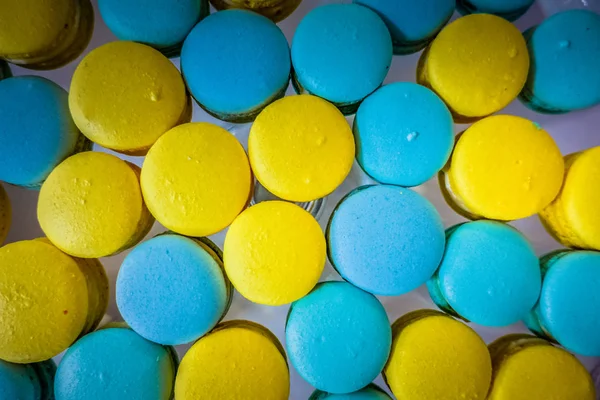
566	312
235	63
114	363
237	360
142	96
489	274
44	34
565	59
404	134
342	53
161	24
27	381
172	289
371	392
529	368
504	168
412	24
572	218
196	179
276	10
477	64
507	9
436	357
385	239
274	253
91	206
37	130
293	141
5	214
5	71
48	300
338	337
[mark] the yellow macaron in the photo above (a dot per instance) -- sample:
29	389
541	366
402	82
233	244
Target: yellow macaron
91	206
301	148
528	368
274	253
237	360
125	95
437	357
477	65
276	10
574	216
5	214
503	168
47	300
196	179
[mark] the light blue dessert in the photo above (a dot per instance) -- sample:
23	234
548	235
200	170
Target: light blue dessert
404	134
116	364
565	60
412	24
172	289
489	274
507	9
371	392
342	53
27	381
338	337
567	311
385	239
235	63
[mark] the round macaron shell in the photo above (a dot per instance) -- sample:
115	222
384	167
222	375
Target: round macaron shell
19	381
371	392
338	337
509	9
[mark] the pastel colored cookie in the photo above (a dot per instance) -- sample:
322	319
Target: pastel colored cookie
115	362
276	10
342	53
196	179
371	392
338	337
44	34
91	206
37	130
565	59
48	300
274	253
436	357
573	218
528	368
566	312
162	24
412	24
293	141
142	97
504	168
237	360
173	305
477	64
5	71
508	9
404	134
384	239
489	274
5	214
27	381
235	63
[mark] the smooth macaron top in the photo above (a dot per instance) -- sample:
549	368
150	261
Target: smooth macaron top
27	381
508	9
116	362
404	134
338	337
235	62
341	52
196	179
172	290
385	239
565	55
37	129
371	392
489	275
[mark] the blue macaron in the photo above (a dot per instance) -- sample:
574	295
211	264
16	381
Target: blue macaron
412	24
404	134
27	381
172	289
565	60
342	53
36	130
371	392
235	63
116	364
567	311
385	239
489	274
338	337
507	9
